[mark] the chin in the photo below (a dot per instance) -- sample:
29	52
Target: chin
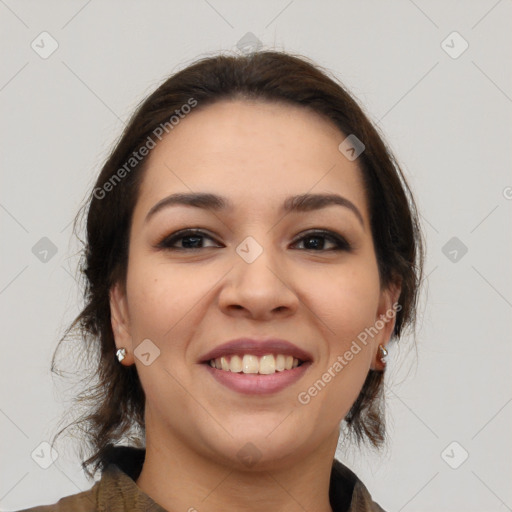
269	447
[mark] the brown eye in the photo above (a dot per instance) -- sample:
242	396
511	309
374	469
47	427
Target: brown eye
193	239
190	239
316	241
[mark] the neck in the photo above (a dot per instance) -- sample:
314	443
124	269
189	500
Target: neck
178	478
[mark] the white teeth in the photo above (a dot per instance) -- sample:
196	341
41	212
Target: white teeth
249	363
224	364
267	365
235	365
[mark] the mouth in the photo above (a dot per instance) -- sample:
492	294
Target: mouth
249	363
257	367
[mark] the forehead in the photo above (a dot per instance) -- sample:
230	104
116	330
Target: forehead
254	152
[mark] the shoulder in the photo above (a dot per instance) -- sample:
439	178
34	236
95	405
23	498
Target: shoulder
86	501
116	491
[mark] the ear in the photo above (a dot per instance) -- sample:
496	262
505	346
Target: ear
120	320
385	322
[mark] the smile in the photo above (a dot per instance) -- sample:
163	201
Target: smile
249	363
248	375
253	366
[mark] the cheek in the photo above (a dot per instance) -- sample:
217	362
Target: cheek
167	303
346	305
348	299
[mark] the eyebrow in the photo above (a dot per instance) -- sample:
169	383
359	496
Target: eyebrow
299	203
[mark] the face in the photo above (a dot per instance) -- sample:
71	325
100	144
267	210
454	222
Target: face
252	269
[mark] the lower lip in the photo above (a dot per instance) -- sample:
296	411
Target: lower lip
255	383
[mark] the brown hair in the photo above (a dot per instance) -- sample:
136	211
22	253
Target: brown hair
115	401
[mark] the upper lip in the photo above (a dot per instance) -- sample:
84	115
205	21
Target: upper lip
256	347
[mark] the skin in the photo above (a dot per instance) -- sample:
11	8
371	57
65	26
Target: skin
256	154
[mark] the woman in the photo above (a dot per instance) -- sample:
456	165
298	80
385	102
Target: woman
252	248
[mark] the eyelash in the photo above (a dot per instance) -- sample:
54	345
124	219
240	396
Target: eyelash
167	242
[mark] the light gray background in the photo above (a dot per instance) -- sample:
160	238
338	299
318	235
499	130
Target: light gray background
449	122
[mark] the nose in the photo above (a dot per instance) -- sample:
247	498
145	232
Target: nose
259	290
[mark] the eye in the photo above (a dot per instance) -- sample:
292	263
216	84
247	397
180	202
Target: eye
318	238
190	239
